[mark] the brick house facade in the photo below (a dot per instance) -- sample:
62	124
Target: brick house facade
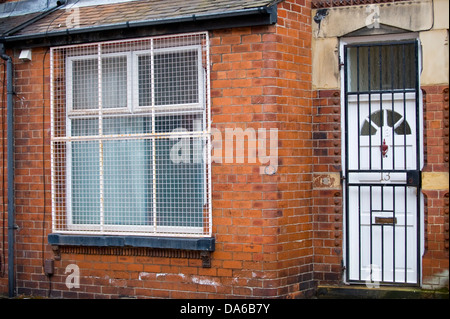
277	231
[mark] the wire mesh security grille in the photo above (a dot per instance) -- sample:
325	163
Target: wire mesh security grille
131	137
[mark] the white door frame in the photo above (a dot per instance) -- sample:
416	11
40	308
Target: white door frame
380	39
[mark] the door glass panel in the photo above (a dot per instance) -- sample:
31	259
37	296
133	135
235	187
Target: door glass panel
376	120
381	67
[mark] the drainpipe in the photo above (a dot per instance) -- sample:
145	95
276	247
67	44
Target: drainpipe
10	160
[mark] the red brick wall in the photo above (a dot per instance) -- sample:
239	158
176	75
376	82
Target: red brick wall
436	143
260	78
327	194
32	168
266	233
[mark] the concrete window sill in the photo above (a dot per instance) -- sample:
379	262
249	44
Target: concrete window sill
200	247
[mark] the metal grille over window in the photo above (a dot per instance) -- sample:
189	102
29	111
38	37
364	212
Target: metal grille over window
131	137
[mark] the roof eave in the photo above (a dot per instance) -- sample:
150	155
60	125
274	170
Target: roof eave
39	16
211	21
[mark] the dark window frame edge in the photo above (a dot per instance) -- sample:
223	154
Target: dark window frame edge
163	242
204	245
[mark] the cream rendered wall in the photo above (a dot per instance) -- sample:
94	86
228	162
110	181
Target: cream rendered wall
428	18
435	47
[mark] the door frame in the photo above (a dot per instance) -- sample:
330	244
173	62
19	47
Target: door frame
342	64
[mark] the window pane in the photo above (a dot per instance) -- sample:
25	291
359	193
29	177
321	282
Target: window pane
381	118
85	182
179	123
128	172
368	129
85	84
84	127
176	77
127	125
114	81
381	67
145	80
179	182
128	182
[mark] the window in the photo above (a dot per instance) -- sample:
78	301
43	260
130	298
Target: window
130	137
381	67
388	118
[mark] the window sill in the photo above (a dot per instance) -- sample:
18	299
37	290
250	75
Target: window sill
188	243
201	246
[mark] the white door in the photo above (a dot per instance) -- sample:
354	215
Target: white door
382	163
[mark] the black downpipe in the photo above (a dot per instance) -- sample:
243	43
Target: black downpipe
10	160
